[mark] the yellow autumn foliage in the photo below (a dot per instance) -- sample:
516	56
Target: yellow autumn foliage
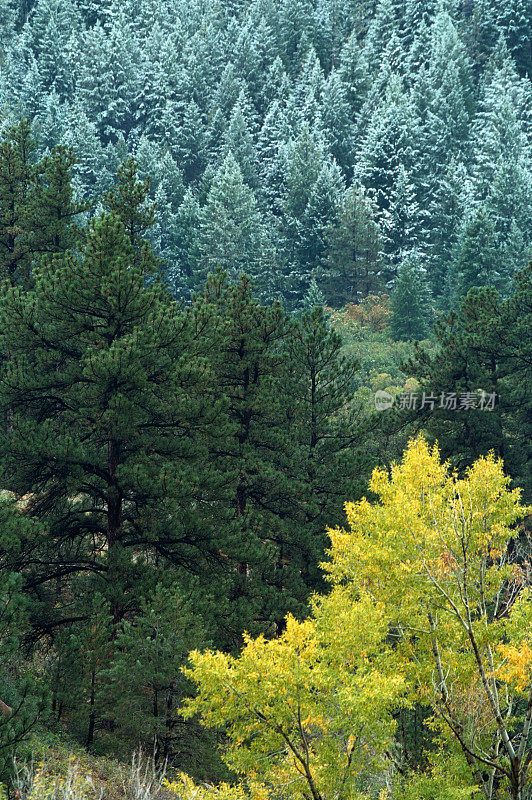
426	605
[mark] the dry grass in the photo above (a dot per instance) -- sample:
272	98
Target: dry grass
82	777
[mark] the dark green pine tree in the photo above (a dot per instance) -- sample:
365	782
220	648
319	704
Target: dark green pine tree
51	205
104	391
83	651
16	175
271	556
410	300
128	200
143	687
354	266
21	697
37	210
331	463
483	347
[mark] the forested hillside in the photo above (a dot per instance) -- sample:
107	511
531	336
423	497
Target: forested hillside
265	263
340	140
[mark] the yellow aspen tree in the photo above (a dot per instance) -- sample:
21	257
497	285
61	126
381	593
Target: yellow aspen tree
440	553
308	714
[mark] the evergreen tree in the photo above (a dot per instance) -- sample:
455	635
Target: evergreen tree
190	142
128	201
250	369
402	220
515	22
106	416
254	56
331	463
272	142
410	300
443	94
156	162
21	696
379	33
303	162
293	32
354	266
483	347
320	214
451	201
49	122
508	204
185	223
390	144
337	122
93	172
500	126
108	79
16	175
37	211
353	70
84	650
307	88
276	85
8	18
95	11
238	141
143	687
477	260
313	297
231	234
481	31
50	36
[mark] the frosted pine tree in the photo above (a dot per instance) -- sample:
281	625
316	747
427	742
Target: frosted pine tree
320	214
238	141
189	143
337	122
501	124
353	70
231	234
272	140
402	221
391	141
381	30
308	88
51	36
515	22
93	171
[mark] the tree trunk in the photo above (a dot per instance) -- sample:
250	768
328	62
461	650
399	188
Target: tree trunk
92	715
114	530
